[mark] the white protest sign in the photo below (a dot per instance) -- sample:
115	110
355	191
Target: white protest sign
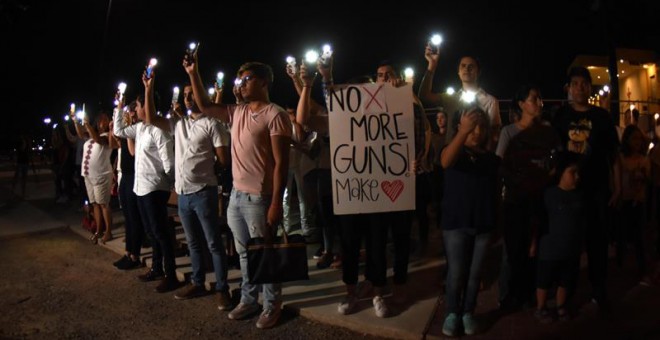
372	147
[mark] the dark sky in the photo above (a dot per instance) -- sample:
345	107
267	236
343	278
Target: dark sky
58	52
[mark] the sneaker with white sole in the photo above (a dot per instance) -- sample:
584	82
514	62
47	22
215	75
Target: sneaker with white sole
242	311
380	307
348	305
450	326
269	317
470	325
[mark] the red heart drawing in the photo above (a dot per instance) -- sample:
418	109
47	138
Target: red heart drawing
392	189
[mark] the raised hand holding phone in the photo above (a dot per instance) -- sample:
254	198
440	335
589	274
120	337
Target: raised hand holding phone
150	68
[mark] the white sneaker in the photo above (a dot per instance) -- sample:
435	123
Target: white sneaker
380	307
348	305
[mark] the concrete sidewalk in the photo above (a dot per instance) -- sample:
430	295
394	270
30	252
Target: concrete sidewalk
635	308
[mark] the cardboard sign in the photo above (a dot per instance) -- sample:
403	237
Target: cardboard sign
371	148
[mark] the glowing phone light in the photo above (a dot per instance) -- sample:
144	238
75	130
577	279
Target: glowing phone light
450	91
436	39
47	120
409	73
468	96
211	91
311	56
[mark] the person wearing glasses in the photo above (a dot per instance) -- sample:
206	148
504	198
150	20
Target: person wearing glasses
260	139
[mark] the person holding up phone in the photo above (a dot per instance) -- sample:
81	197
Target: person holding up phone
260	139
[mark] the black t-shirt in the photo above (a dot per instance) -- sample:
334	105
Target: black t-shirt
592	134
528	161
470	192
127	160
566	225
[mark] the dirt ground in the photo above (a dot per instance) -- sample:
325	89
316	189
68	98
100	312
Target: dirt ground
57	285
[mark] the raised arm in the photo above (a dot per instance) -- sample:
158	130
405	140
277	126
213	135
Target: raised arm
293	73
103	140
425	88
119	129
150	116
79	130
303	109
218	111
113	141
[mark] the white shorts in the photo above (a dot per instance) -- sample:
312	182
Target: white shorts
99	189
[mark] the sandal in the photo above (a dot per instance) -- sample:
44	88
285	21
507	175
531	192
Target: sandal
94	238
106	237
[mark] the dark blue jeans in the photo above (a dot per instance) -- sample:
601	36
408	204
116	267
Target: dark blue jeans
465	253
199	217
132	219
153	211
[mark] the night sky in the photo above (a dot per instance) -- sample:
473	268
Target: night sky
58	52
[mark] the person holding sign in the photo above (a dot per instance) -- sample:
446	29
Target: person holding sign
353	228
471	182
260	139
400	222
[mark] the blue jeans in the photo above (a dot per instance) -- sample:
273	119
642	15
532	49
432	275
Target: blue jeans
246	217
199	214
306	220
465	254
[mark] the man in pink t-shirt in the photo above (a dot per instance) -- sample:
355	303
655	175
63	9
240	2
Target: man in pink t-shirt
260	139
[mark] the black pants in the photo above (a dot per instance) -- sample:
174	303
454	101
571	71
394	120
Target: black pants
132	219
400	223
354	229
153	211
597	241
517	277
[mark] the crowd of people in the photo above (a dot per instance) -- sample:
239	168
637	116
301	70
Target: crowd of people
544	183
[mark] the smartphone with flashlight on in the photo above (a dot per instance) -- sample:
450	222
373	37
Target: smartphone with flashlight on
191	51
434	43
150	67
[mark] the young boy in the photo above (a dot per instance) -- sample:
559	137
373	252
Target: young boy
560	246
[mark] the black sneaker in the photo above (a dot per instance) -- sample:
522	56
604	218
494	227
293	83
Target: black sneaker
130	264
151	275
325	261
124	258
